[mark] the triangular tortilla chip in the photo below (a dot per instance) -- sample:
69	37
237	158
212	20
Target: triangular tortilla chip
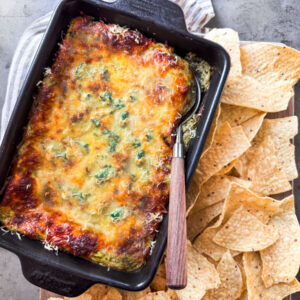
112	294
231	280
281	131
229	39
281	260
216	189
198	220
255	286
262	208
161	295
193	193
244	232
269	73
132	295
212	131
244	296
251	126
236	115
228	144
202	276
260	166
204	244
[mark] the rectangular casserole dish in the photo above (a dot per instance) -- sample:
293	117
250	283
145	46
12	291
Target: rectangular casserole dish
163	20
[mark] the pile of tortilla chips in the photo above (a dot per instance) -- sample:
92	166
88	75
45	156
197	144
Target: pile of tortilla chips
243	244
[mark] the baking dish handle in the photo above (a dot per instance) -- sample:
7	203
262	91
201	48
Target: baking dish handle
163	12
53	279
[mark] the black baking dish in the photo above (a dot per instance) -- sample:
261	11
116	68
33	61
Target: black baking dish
160	19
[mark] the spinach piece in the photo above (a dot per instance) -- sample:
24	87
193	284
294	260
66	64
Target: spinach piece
80	196
124	115
140	154
137	143
148	136
61	154
89	96
132	98
113	140
80	71
83	145
103	174
96	122
117	213
107	96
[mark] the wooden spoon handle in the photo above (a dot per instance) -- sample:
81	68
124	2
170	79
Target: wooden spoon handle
176	249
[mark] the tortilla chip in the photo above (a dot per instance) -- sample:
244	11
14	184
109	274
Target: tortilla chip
262	208
161	270
269	73
244	232
260	165
97	291
198	220
252	126
215	190
112	294
226	169
236	115
193	193
158	283
244	296
132	295
278	129
281	131
156	296
228	144
172	294
204	244
255	286
231	280
239	261
281	260
229	39
212	131
202	276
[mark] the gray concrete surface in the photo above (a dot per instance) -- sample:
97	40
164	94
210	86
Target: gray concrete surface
270	20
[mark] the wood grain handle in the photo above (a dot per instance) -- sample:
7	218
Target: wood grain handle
176	249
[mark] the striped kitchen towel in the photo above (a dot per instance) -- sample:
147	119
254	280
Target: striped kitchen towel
197	14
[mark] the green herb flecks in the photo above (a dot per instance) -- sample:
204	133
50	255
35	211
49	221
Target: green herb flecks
118	104
105	173
148	136
62	154
124	115
113	140
89	96
140	154
107	97
136	143
79	74
132	98
80	196
96	122
85	146
117	214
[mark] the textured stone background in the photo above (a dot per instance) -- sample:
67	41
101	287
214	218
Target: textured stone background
257	20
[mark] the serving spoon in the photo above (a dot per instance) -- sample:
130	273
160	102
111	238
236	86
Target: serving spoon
176	249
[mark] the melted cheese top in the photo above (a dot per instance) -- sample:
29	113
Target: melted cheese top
92	172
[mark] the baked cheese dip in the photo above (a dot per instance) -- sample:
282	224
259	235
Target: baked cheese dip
91	175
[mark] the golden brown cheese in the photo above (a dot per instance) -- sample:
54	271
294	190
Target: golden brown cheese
92	172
